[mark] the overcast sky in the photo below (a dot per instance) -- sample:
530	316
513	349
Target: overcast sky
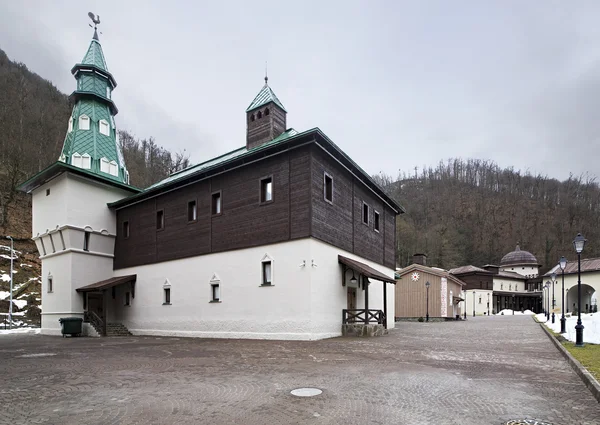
395	84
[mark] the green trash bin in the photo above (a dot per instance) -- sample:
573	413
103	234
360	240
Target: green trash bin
71	326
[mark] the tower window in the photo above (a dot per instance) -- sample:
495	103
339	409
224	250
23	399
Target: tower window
267	273
50	283
108	92
216	203
76	160
160	220
365	215
125	229
84	122
167	292
86	161
376	221
104	165
192	211
267	111
252	117
104	127
259	115
86	241
113	168
266	189
70	128
328	188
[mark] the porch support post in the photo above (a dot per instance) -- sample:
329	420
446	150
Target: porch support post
366	285
385	304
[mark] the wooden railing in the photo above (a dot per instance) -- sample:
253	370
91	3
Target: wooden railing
96	321
363	316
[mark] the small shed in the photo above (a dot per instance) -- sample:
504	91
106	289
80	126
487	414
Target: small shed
414	299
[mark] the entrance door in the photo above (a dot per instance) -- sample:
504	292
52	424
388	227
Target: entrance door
96	304
351	298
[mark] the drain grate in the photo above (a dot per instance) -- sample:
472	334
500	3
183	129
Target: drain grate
527	422
306	392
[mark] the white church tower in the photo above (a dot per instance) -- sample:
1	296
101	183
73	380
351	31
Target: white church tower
73	228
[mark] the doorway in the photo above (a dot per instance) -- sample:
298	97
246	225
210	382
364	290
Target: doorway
95	303
351	299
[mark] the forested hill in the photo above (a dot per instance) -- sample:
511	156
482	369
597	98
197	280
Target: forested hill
33	123
473	212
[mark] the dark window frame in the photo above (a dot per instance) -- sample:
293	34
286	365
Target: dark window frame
262	190
376	221
160	220
213	205
50	284
213	287
327	176
167	296
192	207
86	240
126	229
127	299
363	213
263	273
48	192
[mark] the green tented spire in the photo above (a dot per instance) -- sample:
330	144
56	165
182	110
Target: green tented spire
92	141
264	96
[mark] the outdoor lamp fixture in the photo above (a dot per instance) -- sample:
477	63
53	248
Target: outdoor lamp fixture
553	300
473	303
465	305
563	321
578	244
10	306
427	284
353	279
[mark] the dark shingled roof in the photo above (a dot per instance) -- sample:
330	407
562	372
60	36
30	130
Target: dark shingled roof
518	257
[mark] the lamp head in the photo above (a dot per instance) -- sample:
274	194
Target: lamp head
579	243
553	276
427	284
353	279
9	237
562	263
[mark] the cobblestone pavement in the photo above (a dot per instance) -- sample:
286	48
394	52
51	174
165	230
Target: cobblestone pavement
486	370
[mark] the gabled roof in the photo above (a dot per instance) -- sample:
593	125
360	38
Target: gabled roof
511	275
264	96
289	140
468	269
587	265
431	270
94	56
365	269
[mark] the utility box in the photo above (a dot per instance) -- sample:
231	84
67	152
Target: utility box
71	326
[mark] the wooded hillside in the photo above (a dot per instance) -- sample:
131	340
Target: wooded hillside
33	123
473	212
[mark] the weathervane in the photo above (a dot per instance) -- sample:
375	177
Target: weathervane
96	20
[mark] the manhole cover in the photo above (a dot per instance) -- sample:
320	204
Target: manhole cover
306	392
527	422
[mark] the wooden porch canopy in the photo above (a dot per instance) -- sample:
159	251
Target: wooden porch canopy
108	283
365	270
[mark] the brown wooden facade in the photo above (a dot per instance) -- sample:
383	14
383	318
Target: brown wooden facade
298	209
411	296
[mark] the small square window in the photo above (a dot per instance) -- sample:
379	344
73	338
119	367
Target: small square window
376	221
86	241
192	211
160	220
167	296
267	273
50	282
127	298
125	229
215	292
104	127
266	189
328	188
47	192
365	215
216	203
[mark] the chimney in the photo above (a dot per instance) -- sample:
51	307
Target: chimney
420	259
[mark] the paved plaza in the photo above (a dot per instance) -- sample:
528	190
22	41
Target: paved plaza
487	370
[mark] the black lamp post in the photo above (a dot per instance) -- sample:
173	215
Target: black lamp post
547	304
513	304
465	312
488	304
579	243
553	300
427	284
473	303
563	321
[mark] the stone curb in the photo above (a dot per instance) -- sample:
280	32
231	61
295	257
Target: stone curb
587	378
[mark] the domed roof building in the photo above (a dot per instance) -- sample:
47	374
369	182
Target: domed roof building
519	257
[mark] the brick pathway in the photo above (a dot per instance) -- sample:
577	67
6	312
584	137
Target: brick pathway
487	370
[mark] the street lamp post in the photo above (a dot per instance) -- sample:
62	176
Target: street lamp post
513	304
465	304
10	306
553	300
488	303
579	243
547	304
563	321
473	303
427	284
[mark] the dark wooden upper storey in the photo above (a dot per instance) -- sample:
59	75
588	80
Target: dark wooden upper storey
317	191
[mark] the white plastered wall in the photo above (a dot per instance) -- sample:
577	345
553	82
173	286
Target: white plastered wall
480	308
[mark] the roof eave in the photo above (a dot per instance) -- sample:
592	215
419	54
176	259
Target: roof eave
254	108
105	73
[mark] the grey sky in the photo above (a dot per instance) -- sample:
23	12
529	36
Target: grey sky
394	84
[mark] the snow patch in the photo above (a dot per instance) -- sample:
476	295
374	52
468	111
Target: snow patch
509	312
5	278
20	331
590	322
20	303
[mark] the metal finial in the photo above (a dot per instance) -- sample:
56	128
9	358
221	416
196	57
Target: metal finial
266	74
96	20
